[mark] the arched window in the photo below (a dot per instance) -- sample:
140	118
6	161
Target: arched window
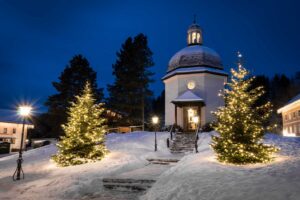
198	37
194	38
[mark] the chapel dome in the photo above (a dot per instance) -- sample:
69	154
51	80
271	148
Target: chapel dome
195	54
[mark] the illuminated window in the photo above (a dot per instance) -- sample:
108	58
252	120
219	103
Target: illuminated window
194	37
198	37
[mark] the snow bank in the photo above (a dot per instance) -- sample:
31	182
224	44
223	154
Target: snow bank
200	176
44	180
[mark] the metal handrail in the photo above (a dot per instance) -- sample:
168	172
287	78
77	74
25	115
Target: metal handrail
171	132
197	138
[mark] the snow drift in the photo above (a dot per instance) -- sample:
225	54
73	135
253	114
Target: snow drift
200	176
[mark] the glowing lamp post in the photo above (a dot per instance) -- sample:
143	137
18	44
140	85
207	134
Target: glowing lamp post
24	112
196	121
155	121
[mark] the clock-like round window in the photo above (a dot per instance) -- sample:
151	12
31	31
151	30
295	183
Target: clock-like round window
191	85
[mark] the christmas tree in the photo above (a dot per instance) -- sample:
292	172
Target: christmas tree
240	122
71	83
84	132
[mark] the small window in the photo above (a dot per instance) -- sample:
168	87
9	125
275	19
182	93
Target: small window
194	37
5	130
198	37
14	130
294	114
13	141
286	117
299	113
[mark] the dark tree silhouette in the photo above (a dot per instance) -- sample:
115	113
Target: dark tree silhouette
71	83
130	90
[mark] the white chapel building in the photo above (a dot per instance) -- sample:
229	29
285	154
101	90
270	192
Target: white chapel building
193	81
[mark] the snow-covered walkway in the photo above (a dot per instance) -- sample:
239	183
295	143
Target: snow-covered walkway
44	180
194	177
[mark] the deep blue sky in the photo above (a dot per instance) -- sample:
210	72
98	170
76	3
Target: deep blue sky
38	38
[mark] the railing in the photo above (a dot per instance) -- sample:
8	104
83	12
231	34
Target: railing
198	129
171	132
171	135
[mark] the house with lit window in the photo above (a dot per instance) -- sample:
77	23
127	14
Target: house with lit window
291	117
193	81
11	129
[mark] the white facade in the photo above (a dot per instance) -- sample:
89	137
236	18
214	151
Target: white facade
291	117
207	86
195	71
12	133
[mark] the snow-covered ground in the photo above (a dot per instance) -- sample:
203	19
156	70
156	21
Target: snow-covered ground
196	176
200	176
43	180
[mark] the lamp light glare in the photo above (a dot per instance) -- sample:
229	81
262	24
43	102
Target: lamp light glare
154	120
25	110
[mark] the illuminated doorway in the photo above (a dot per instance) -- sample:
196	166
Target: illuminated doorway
189	113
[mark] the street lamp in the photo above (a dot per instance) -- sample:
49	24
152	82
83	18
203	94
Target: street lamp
24	112
155	121
196	121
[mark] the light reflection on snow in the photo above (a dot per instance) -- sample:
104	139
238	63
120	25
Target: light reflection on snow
277	159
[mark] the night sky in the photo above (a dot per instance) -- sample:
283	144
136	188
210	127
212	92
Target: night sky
38	38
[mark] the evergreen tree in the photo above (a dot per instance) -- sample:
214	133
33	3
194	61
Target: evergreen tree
84	132
130	89
158	108
241	124
71	83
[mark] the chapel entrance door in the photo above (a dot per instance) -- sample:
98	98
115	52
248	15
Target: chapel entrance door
189	113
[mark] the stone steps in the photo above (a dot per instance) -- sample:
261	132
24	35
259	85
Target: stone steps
162	161
127	184
183	143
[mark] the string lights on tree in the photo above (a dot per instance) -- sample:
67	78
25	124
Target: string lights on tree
84	139
240	123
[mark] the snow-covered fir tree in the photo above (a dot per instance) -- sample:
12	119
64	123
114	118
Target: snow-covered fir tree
84	132
240	122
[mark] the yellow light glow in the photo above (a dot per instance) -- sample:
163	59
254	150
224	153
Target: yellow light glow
196	119
287	134
191	85
24	111
154	120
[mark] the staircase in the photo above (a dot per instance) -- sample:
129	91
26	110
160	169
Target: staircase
127	184
183	143
162	161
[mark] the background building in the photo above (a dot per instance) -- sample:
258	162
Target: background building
11	129
193	81
291	117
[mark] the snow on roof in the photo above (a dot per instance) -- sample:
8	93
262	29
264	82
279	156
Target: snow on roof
290	104
198	69
195	55
188	96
